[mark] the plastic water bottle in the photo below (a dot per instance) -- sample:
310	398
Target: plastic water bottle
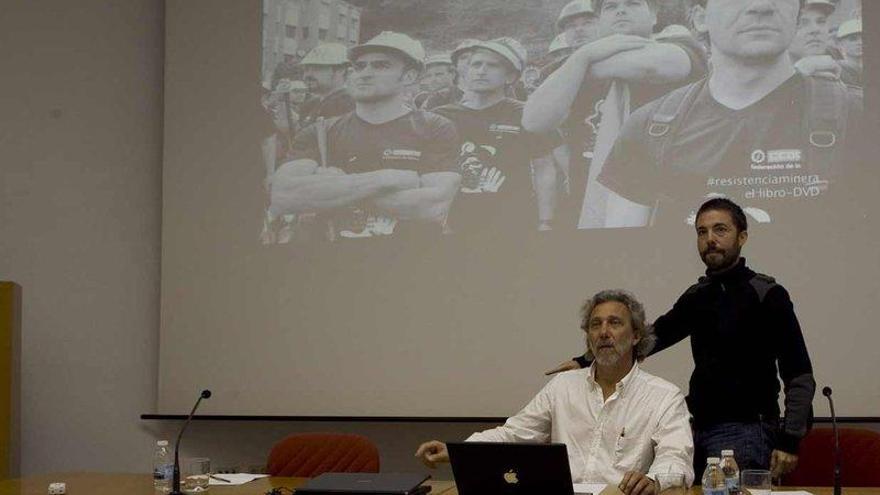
731	471
713	478
163	467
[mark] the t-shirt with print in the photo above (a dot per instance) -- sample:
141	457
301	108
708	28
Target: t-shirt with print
495	165
759	156
420	141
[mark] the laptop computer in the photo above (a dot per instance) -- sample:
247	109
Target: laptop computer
366	483
510	468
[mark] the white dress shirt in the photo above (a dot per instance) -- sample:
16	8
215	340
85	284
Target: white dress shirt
643	426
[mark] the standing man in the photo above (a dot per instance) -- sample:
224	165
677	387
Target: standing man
734	388
620	424
383	169
324	70
592	93
499	160
849	39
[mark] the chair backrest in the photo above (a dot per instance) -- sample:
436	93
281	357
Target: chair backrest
310	454
860	458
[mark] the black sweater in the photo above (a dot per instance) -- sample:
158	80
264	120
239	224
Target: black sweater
742	326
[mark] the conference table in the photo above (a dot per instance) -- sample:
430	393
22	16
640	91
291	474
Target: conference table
142	484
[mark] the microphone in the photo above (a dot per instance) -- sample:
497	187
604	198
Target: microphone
826	391
175	487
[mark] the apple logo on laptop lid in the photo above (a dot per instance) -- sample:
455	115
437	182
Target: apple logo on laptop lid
511	477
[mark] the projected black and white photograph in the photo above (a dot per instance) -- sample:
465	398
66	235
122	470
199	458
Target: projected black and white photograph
466	117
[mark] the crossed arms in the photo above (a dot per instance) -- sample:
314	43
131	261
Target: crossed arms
624	57
302	186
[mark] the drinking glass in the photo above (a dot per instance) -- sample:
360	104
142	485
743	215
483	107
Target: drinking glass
756	482
197	475
671	483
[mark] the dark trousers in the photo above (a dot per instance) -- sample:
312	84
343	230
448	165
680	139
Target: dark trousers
752	444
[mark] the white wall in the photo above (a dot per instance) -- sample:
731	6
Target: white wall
80	177
80	197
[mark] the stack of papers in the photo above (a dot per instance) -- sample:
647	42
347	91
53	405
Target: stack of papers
234	479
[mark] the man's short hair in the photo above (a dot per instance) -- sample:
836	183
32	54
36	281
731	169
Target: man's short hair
636	314
724	204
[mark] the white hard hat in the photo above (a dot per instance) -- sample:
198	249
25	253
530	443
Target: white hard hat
401	43
438	58
509	48
850	27
573	9
326	54
462	47
827	5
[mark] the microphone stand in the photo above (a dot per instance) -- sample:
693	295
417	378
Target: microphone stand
175	486
827	393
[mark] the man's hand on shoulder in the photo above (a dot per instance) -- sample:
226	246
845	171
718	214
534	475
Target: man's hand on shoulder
433	452
635	483
782	463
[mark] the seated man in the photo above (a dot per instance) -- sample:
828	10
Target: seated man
619	424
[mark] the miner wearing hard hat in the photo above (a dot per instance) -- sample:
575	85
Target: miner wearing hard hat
382	170
438	76
459	57
497	195
577	23
324	69
849	39
811	49
625	68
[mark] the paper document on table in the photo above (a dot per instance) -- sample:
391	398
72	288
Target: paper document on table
790	492
232	479
594	488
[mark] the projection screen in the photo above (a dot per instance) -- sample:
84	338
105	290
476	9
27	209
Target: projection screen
346	240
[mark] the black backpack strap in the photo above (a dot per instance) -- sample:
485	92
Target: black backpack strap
824	122
667	119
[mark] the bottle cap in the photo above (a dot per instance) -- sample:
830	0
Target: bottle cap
713	460
162	443
727	453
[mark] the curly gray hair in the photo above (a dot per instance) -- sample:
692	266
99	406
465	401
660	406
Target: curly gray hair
636	312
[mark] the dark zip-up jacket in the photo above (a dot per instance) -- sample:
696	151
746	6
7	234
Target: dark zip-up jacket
744	334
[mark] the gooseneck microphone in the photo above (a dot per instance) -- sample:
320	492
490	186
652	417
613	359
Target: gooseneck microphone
175	487
827	393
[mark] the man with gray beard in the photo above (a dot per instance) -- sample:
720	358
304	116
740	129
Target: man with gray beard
621	425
